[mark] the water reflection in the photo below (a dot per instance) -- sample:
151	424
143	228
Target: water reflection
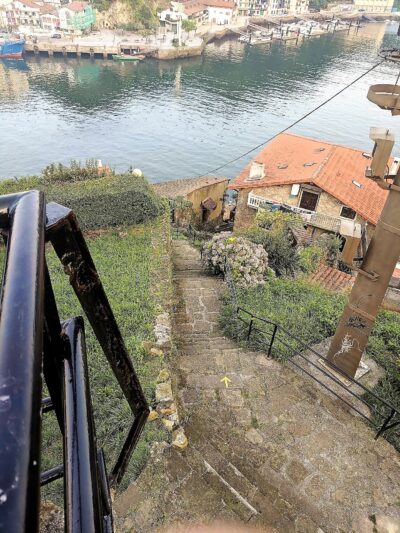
180	118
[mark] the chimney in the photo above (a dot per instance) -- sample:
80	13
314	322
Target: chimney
257	171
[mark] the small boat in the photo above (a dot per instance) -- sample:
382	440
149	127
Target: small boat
127	57
11	49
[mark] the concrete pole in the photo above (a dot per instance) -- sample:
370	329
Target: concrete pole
374	275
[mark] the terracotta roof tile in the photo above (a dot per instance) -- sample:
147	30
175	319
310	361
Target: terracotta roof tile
335	169
332	279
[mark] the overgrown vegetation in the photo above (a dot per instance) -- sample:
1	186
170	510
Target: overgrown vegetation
278	233
134	268
312	314
109	201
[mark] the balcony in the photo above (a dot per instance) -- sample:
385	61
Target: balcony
311	218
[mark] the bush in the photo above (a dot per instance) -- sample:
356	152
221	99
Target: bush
273	231
76	171
248	262
104	202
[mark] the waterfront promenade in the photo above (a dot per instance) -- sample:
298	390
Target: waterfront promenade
104	44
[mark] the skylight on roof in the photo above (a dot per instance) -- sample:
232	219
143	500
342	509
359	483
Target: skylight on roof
367	155
357	184
282	166
309	164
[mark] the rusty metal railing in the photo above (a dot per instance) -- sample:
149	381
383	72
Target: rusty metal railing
33	339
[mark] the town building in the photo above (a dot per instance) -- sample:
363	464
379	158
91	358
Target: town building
23	13
297	7
323	182
220	12
204	197
76	17
194	10
50	20
251	8
374	6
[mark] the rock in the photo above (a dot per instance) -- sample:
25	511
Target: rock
179	439
51	518
162	329
156	352
164	392
253	436
169	424
165	409
147	346
163	376
153	415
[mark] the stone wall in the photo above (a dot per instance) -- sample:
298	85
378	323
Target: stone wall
177	53
213	190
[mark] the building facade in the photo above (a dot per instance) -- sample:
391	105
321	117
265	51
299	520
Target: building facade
76	17
322	182
374	6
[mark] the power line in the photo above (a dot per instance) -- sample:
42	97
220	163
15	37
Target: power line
293	123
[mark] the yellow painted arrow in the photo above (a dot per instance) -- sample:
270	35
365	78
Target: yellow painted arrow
226	380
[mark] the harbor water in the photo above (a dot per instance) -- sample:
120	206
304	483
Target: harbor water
184	118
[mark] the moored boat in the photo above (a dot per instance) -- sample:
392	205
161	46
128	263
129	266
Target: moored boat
127	57
11	49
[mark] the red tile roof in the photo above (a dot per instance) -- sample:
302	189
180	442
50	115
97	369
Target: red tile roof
338	170
332	279
76	6
227	4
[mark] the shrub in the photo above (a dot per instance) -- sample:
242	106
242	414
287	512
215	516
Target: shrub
310	258
108	202
248	261
274	231
76	171
99	203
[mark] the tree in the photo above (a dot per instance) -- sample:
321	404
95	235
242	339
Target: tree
188	25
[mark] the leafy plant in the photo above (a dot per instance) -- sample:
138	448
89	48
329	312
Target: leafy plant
274	231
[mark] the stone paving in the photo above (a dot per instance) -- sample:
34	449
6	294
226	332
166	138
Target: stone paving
270	450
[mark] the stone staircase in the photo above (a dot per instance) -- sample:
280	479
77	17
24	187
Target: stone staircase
269	450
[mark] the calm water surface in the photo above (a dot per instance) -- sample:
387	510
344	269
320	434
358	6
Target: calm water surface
183	118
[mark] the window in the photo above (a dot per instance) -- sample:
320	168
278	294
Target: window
346	212
309	200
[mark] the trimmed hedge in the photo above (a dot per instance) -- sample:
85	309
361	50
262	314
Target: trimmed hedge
102	203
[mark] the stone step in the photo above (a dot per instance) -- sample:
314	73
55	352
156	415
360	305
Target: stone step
242	496
250	460
145	505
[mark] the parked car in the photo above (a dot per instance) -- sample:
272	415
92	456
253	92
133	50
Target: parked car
56	36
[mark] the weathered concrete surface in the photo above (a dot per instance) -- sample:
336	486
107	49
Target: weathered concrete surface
271	450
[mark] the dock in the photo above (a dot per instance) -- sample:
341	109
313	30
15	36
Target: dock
70	49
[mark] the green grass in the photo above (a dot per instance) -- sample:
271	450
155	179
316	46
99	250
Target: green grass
312	314
134	269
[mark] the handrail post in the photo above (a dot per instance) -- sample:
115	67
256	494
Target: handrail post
272	340
250	329
385	424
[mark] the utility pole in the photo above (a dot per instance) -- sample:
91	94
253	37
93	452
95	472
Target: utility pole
374	275
383	252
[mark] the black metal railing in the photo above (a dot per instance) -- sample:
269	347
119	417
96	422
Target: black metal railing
33	339
281	344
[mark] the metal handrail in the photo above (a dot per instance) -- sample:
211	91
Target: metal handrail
32	337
